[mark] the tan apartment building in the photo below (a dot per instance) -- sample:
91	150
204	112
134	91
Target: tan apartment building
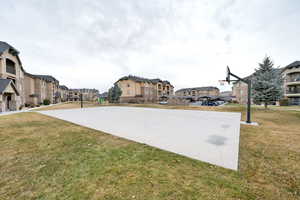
41	87
87	94
291	75
240	92
143	90
198	92
63	93
11	79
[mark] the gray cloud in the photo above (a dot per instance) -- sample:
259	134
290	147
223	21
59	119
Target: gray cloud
91	43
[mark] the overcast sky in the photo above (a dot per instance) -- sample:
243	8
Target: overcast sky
92	43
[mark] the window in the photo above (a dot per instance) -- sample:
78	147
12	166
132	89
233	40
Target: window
128	85
10	66
159	86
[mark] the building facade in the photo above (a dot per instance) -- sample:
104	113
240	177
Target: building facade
291	75
19	88
291	85
41	87
63	93
12	90
143	90
198	92
87	94
240	92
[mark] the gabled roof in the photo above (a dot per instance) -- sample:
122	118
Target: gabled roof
141	79
4	83
63	87
47	78
4	46
208	88
294	64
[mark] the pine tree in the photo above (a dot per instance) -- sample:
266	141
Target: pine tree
267	83
114	94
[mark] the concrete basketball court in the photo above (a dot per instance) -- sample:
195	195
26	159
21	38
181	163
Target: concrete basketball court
208	136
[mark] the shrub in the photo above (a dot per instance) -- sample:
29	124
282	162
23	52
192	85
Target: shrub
46	102
283	102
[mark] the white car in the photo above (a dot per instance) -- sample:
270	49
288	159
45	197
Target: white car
163	102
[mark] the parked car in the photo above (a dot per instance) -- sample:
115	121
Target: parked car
163	102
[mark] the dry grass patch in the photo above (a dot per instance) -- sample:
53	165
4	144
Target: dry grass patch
46	158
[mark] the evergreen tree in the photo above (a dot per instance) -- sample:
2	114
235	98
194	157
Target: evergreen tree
267	83
114	94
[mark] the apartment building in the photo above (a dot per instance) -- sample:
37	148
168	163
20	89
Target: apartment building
87	94
291	75
41	87
240	92
291	85
19	88
198	92
12	90
143	90
63	93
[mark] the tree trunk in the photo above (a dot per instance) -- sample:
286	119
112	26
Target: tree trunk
266	105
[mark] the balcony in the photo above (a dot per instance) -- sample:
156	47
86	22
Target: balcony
293	81
293	93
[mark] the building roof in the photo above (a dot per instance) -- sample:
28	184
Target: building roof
208	88
4	84
141	79
63	87
4	46
294	64
46	78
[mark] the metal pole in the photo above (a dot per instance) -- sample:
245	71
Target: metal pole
249	103
248	82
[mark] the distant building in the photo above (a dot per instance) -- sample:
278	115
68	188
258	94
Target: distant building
87	94
291	75
226	96
41	87
143	90
291	85
63	93
240	92
198	92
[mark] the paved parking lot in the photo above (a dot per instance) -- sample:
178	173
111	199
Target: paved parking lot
208	136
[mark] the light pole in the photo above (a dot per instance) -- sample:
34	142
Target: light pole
248	82
81	103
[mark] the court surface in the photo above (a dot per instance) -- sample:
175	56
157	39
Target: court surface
208	136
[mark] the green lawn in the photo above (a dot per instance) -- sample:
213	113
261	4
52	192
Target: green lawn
46	158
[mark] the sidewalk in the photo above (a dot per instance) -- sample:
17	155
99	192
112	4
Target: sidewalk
25	110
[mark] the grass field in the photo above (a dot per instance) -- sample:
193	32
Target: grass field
46	158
